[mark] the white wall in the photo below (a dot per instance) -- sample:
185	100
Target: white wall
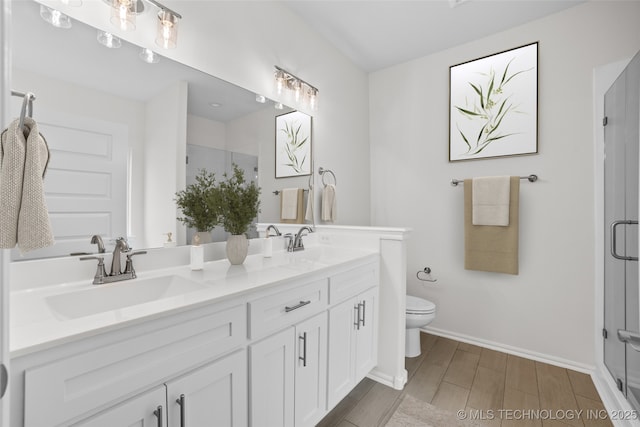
241	42
206	132
548	309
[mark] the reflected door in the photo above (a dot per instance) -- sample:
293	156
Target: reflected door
621	311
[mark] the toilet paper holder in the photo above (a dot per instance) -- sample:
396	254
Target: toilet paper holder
425	275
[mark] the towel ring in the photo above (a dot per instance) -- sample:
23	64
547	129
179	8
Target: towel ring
323	171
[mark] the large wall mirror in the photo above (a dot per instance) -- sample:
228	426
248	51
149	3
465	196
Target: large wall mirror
125	134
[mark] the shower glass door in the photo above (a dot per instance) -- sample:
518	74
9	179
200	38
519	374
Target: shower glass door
622	299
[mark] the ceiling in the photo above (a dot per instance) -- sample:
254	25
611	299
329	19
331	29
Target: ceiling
377	34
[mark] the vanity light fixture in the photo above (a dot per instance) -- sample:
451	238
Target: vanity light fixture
55	17
123	14
108	40
149	56
302	91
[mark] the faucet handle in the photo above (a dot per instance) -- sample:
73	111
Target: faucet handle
128	268
101	273
289	238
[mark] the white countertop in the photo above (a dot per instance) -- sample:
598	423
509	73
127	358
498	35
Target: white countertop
37	325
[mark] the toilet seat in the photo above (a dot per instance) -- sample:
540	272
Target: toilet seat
417	305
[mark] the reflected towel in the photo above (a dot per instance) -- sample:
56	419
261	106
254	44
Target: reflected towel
23	162
329	203
492	248
309	213
291	206
491	200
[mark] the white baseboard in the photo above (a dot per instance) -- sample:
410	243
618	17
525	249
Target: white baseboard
540	357
615	403
396	382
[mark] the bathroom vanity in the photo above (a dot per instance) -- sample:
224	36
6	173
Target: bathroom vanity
175	347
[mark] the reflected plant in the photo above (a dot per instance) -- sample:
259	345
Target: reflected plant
295	142
490	107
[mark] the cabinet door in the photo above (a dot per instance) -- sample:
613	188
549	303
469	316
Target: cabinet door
272	368
311	370
215	394
366	334
342	324
147	409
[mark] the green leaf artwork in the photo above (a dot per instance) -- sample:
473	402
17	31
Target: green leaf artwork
493	105
293	141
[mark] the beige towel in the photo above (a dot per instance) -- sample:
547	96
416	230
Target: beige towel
309	213
492	248
491	200
23	162
292	206
329	203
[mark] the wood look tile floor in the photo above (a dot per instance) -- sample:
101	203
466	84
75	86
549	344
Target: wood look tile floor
454	376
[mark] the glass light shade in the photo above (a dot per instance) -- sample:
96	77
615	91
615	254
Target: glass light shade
167	35
313	99
108	40
149	56
278	106
55	17
280	81
123	14
297	89
261	98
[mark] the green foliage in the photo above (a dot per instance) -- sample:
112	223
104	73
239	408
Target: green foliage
199	203
295	141
239	201
490	108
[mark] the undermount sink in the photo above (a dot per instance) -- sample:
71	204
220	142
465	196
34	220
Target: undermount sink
114	296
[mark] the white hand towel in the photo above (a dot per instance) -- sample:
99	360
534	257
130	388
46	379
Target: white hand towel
309	213
23	162
289	207
329	203
490	200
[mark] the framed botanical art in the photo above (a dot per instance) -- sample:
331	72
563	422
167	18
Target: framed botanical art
493	105
293	144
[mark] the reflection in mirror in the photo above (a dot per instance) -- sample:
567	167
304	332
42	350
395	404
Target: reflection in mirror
119	130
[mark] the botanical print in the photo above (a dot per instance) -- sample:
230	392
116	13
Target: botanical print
493	107
293	144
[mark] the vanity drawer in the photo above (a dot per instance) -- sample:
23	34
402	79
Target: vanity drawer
81	384
352	282
285	308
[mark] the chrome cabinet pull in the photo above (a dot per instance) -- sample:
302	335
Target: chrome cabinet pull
614	245
357	314
303	337
364	307
158	413
183	410
630	338
295	307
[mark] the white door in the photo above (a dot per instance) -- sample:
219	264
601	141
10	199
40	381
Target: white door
214	395
366	337
342	328
272	369
86	181
147	409
311	371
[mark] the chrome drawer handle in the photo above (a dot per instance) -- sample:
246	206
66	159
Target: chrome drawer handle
357	314
364	307
158	413
303	337
297	306
181	402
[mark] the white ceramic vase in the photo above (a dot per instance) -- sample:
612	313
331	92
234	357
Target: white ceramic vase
237	248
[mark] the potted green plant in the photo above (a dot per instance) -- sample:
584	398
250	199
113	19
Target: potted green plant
200	205
239	205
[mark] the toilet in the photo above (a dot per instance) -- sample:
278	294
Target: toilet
420	312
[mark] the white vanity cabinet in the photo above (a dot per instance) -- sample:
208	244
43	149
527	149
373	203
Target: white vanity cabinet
352	330
288	368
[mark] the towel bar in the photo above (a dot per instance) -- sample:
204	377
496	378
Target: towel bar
278	191
531	178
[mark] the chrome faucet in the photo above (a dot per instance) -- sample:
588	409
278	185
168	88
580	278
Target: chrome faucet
116	274
297	241
97	240
274	228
